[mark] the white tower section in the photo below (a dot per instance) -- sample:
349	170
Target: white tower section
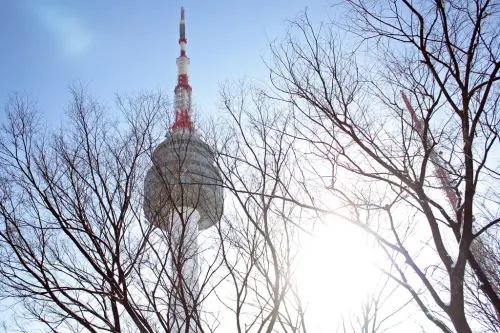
183	194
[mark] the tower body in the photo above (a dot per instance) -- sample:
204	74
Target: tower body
183	195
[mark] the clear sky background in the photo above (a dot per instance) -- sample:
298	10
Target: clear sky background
129	46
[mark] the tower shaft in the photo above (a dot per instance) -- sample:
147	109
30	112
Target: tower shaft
185	270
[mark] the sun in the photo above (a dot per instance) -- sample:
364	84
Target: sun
336	269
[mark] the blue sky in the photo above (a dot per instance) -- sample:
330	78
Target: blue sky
129	46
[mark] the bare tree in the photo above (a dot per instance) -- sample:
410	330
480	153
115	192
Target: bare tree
344	79
375	313
76	251
486	249
257	161
269	176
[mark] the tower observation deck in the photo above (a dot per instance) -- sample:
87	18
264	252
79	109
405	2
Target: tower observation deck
183	193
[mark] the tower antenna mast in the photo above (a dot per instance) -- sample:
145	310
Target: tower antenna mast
182	90
446	184
440	172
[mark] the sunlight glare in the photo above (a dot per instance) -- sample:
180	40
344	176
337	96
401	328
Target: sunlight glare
336	269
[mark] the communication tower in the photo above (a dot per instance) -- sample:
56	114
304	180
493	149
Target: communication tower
183	195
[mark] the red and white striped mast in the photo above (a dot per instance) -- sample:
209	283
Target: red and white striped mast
183	89
448	187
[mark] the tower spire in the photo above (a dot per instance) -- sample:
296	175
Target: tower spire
183	89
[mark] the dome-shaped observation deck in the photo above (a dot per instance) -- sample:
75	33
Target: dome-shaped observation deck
183	175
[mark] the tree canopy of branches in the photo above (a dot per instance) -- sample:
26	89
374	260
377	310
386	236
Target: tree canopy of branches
343	79
76	251
331	136
77	254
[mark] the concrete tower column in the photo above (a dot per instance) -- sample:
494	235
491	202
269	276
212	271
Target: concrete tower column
185	269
